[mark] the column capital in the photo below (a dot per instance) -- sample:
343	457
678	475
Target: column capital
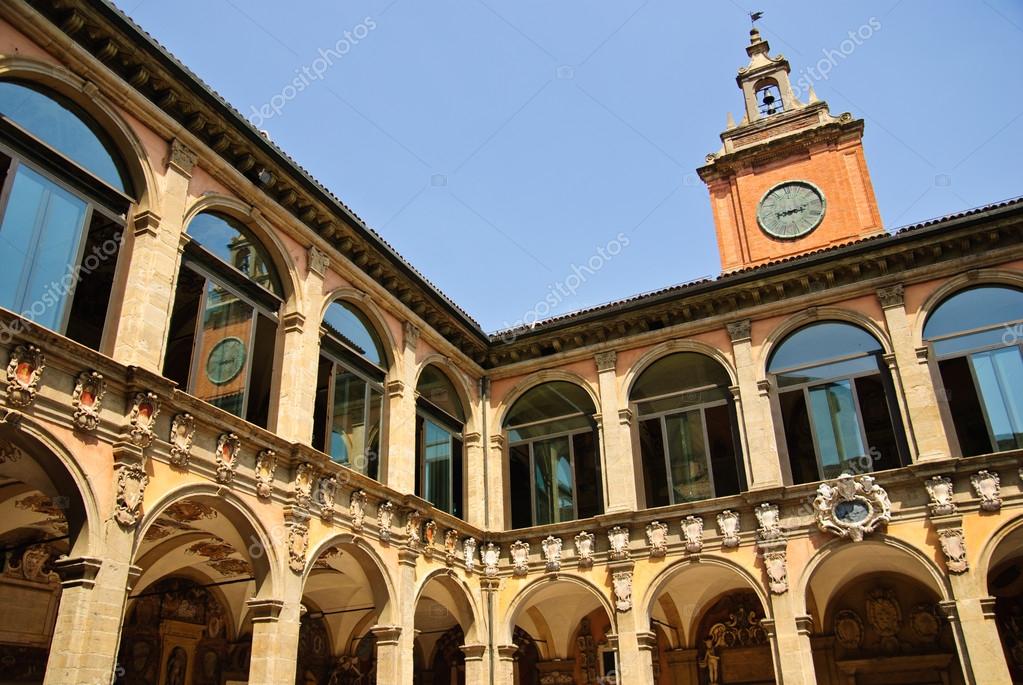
265	610
77	571
739	331
950	609
647	639
473	652
987	607
891	296
386	635
293	322
507	652
317	261
146	223
395	388
606	361
410	335
497	441
181	158
625	417
804	625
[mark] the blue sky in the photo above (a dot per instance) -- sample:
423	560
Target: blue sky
496	144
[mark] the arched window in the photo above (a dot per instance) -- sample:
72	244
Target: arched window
64	201
769	97
223	328
349	390
977	337
837	402
440	421
554	466
687	430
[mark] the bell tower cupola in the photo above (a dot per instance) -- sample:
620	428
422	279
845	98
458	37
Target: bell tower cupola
789	178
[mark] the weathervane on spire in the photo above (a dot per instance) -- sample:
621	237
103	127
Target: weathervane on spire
753	17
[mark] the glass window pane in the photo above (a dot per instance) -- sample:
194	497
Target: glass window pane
236	246
724	464
60	128
96	281
828	371
222	351
565	425
684	400
552	472
655	474
436	388
41	231
821	342
687	454
678	372
553	399
964	405
519	475
348	427
349	326
588	495
437	465
1000	379
799	437
837	428
975	308
376	408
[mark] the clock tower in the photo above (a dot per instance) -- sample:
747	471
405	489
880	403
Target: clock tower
790	178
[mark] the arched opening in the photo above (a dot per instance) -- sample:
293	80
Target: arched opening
1005	584
707	618
977	339
43	516
64	201
444	622
768	95
223	329
187	618
349	390
345	596
440	424
562	629
554	465
837	401
688	430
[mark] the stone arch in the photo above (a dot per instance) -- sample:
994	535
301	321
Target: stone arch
55	472
89	99
880	553
1008	534
463	604
819	315
374	315
371	564
537	379
981	277
670	347
703	572
541	589
291	280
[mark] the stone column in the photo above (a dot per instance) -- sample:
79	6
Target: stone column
475	667
972	616
505	665
275	630
140	332
390	655
500	502
401	416
301	355
921	415
763	456
475	488
634	642
618	468
395	643
790	641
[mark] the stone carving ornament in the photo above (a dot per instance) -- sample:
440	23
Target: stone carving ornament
557	678
939	489
327	496
728	528
131	486
622	582
619	539
430	534
266	466
305	475
777	573
987	486
385	512
182	433
414	528
851	506
770	522
657	538
953	545
451	546
24	370
552	553
298	545
692	531
357	509
885	616
145	407
491	556
848	629
228	446
584	549
925	621
87	398
519	551
469	554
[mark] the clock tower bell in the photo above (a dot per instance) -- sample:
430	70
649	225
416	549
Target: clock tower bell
790	178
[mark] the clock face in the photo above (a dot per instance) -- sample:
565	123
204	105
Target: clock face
791	209
225	361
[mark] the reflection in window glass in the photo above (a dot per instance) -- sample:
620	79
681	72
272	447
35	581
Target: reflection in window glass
1000	377
439	441
437	464
690	469
833	410
235	245
222	349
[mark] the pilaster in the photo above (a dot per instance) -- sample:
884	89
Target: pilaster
401	415
763	459
617	463
972	616
275	631
789	634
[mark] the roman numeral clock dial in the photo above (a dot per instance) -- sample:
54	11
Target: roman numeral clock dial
791	209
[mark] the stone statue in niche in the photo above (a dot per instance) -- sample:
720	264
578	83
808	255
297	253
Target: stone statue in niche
177	666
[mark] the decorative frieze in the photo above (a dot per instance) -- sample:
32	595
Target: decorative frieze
851	506
385	514
692	533
551	553
145	406
940	492
131	486
228	446
618	537
24	371
519	552
357	509
728	528
584	544
987	486
182	433
87	399
622	583
657	539
491	556
266	467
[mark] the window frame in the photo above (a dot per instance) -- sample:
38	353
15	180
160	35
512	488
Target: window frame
455	431
531	442
340	355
